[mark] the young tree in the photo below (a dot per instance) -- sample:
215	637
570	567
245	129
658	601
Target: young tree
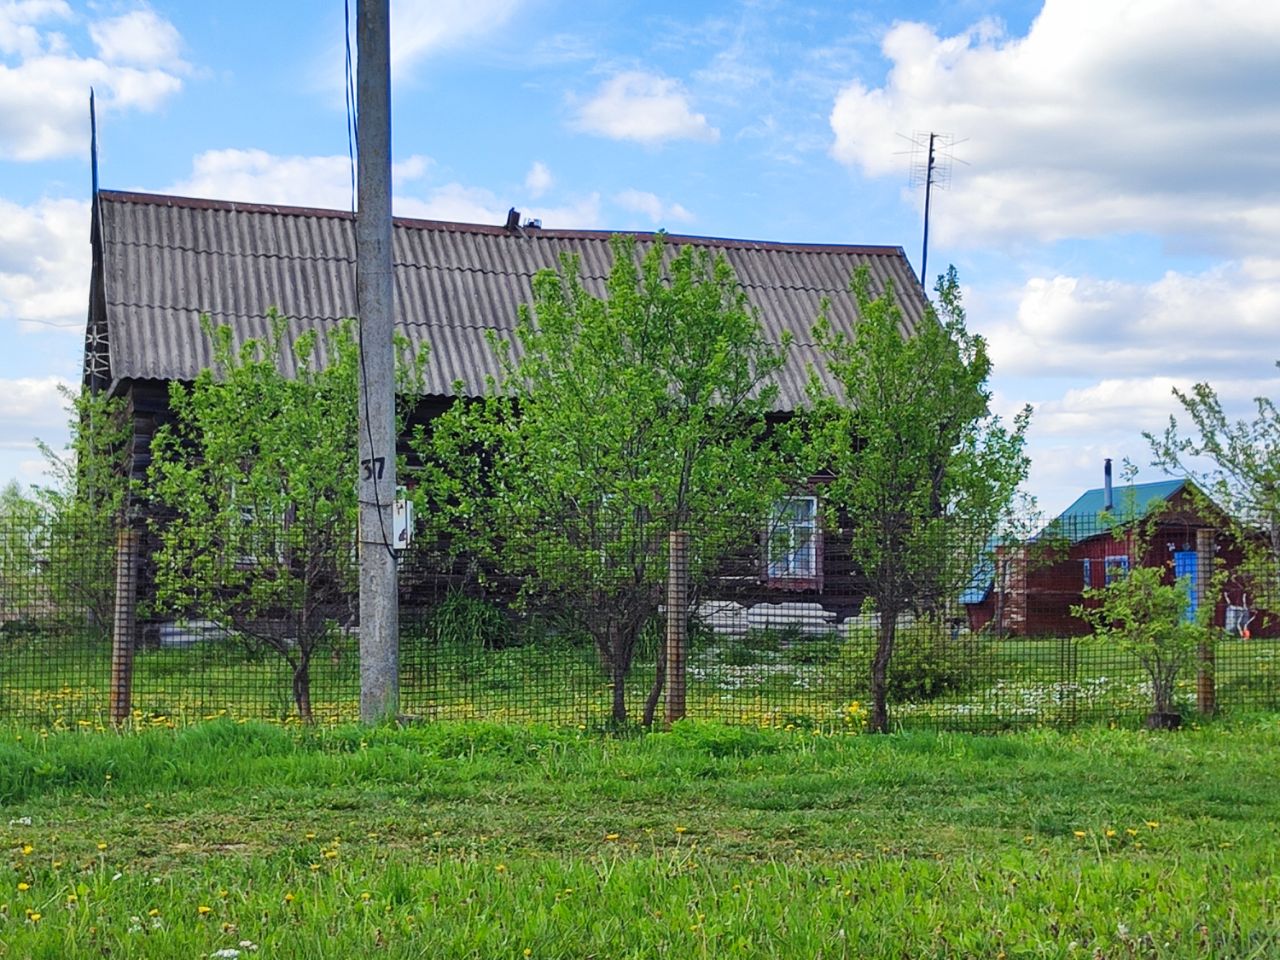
83	503
257	478
1140	613
616	421
923	472
1237	465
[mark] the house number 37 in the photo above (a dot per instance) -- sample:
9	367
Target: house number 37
374	467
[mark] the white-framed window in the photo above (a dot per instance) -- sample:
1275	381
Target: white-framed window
792	551
1117	567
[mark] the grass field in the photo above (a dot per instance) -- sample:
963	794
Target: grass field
475	840
765	679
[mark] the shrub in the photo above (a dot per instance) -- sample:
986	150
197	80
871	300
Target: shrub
927	662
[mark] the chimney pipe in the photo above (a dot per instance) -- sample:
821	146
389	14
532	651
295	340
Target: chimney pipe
1106	484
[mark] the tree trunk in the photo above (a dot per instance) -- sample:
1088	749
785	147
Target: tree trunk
878	717
659	681
619	694
302	689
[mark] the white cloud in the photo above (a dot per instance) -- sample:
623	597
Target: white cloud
44	264
653	207
1151	115
141	37
643	107
420	28
463	204
538	180
256	176
43	106
1214	324
28	404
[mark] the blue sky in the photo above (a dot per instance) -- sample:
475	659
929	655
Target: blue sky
1113	207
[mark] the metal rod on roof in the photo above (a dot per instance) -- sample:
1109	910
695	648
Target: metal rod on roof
379	613
928	194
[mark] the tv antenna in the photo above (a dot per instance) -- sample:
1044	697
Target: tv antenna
931	161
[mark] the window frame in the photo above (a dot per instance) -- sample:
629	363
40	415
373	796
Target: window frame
792	578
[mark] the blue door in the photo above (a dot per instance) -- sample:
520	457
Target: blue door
1185	565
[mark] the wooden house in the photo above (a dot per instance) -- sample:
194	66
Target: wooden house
161	262
1029	589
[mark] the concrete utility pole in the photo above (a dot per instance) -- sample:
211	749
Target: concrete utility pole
375	286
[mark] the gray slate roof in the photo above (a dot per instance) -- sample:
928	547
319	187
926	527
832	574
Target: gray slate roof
166	260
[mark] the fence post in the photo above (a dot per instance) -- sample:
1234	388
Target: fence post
124	621
1206	690
677	622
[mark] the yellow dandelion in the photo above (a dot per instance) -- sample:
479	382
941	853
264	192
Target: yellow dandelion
23	887
202	910
71	898
365	896
315	866
153	912
1153	823
34	916
501	868
57	864
288	898
1130	831
102	846
26	849
311	836
611	836
330	854
1111	833
528	952
681	829
1079	833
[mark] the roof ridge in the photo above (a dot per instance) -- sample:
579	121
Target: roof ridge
233	206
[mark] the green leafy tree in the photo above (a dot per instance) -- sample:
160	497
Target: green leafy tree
1141	613
1236	464
256	477
22	524
922	472
84	501
616	421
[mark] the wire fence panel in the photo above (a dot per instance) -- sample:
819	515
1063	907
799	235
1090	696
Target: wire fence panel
772	640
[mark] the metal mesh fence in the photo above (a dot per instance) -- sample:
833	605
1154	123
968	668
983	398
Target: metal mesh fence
84	641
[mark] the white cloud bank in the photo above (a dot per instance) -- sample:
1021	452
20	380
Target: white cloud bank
420	28
653	207
256	176
44	83
1152	116
645	108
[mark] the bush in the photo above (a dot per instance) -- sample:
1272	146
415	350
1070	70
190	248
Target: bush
927	663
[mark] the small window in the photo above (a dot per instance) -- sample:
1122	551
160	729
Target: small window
1087	572
793	539
1117	567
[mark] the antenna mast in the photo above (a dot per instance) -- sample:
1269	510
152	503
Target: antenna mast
930	167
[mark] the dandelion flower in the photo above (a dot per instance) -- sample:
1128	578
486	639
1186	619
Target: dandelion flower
23	887
611	836
34	916
501	868
681	829
203	910
1130	831
26	849
153	912
288	898
1111	833
102	846
1153	824
1079	833
528	952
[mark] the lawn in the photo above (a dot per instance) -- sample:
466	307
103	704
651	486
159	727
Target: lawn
480	840
767	678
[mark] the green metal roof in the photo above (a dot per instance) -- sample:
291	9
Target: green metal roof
1083	519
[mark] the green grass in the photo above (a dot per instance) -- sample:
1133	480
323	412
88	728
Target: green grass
766	679
479	840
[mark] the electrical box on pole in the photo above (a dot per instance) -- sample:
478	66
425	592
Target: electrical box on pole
379	613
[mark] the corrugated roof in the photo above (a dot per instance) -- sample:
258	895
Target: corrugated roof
168	260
